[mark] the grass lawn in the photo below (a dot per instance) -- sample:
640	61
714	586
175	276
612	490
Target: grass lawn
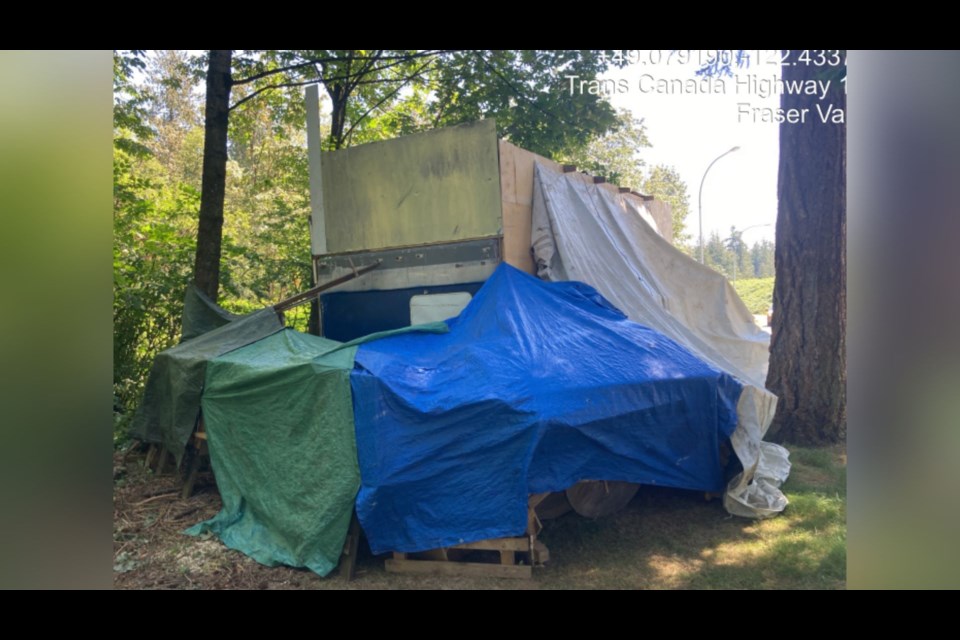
670	539
665	539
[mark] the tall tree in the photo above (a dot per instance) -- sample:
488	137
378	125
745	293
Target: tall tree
664	183
364	85
737	247
206	270
524	90
762	259
174	114
717	255
615	155
807	349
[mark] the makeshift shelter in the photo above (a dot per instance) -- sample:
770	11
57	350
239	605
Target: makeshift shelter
626	361
440	210
536	386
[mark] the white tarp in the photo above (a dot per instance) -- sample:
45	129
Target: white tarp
584	232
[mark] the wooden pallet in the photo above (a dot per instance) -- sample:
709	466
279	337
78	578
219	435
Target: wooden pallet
505	557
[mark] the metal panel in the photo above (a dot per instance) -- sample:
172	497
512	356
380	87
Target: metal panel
439	186
459	252
426	265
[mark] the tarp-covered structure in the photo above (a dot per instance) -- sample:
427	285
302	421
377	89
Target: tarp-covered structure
171	401
279	423
537	385
582	232
625	361
278	415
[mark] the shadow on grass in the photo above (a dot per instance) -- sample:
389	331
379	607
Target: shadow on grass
674	539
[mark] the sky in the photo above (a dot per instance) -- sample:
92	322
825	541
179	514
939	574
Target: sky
689	129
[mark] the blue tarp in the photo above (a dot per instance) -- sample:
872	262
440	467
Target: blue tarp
538	385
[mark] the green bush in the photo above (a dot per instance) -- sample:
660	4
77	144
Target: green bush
756	293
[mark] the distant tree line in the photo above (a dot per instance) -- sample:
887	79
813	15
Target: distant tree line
732	257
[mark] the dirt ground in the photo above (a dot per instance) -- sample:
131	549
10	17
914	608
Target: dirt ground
663	539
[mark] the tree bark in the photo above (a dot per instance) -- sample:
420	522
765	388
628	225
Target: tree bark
206	274
807	350
338	114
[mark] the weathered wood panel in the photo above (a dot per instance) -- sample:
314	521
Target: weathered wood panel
439	186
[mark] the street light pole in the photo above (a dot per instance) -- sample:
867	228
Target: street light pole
700	197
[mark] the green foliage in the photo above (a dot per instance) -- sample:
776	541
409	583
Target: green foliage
266	212
382	93
762	259
153	249
664	183
158	136
153	225
756	293
173	112
615	155
375	94
130	129
524	91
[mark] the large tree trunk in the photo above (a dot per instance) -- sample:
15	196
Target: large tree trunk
206	272
338	114
807	351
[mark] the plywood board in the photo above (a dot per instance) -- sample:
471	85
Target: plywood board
439	186
516	186
508	172
517	221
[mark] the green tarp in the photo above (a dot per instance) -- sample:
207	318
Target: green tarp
171	400
201	315
279	421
